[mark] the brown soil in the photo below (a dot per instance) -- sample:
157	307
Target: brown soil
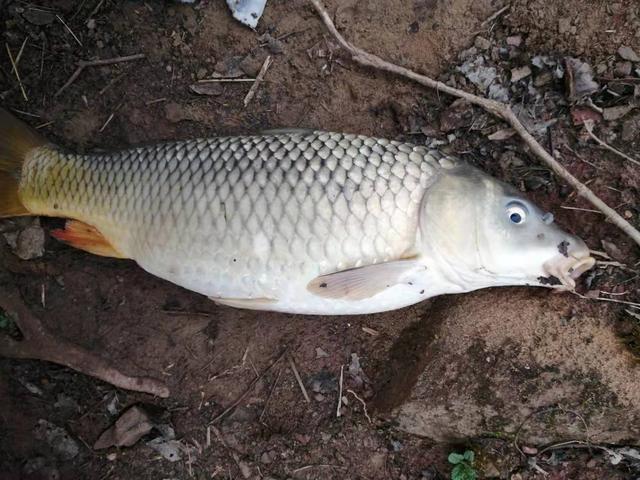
209	354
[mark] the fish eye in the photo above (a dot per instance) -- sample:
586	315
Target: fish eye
517	213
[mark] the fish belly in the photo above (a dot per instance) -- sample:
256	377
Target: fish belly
254	217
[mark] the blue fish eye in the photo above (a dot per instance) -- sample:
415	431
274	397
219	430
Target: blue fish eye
517	213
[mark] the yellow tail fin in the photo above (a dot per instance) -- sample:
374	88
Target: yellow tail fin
16	140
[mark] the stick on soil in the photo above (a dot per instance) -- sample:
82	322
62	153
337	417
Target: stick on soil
39	343
494	107
96	63
299	380
259	78
588	125
247	390
14	65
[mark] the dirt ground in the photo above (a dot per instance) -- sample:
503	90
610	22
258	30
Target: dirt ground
209	354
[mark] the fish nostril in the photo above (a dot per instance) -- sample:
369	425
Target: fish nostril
540	236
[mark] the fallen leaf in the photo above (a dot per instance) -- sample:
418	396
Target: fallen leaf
501	135
207	88
580	115
614	113
612	250
128	429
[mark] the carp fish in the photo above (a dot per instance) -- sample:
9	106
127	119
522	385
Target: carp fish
299	221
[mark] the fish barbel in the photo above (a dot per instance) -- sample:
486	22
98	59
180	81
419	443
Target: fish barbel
294	220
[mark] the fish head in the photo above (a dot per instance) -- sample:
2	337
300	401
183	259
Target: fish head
486	233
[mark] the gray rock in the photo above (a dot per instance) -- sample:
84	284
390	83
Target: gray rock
26	237
515	359
627	53
631	129
30	243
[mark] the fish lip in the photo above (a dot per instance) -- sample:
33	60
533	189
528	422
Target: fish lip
567	270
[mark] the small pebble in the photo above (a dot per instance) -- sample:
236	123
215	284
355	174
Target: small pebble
518	74
245	469
482	43
514	40
265	458
564	25
622	69
320	353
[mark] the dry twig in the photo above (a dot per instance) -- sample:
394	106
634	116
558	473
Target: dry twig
259	78
494	107
14	65
247	390
40	344
495	15
299	380
226	80
273	389
340	392
588	125
69	30
82	64
364	405
610	300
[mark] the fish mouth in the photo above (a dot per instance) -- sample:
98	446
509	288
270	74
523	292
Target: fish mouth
564	271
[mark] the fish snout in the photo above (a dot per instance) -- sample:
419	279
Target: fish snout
572	260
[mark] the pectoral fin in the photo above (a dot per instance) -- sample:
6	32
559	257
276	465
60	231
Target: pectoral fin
364	282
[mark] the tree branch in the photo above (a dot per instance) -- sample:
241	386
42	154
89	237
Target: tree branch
498	109
40	344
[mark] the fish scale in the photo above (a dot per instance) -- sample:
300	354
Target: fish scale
241	216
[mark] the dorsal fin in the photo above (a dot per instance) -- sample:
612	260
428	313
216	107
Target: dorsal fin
288	131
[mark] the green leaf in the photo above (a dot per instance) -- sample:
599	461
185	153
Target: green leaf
469	456
458	472
455	458
463	471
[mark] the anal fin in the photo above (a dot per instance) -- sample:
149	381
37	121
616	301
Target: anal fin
85	237
246	303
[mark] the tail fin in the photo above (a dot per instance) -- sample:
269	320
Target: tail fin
16	140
